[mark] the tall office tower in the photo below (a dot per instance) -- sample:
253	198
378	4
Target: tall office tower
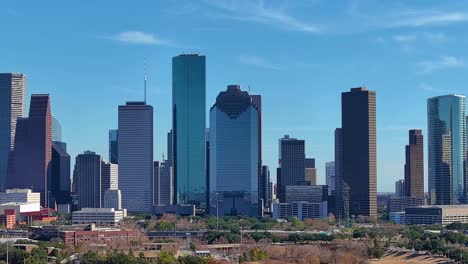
358	115
447	149
310	171
59	180
32	154
163	183
342	190
330	176
12	106
170	149
262	185
188	126
400	188
87	177
207	151
414	165
267	183
291	170
113	199
136	156
56	130
114	146
234	153
109	178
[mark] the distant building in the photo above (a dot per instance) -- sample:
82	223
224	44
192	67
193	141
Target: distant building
183	210
99	216
330	176
33	146
8	218
19	196
306	193
447	149
188	126
342	190
397	217
359	135
301	210
20	208
310	172
262	184
113	199
59	181
268	188
12	107
114	146
234	153
97	235
291	170
414	165
400	188
56	130
399	204
163	183
170	149
109	178
87	179
436	214
135	141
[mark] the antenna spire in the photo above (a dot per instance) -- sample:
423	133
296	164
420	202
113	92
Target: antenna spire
145	81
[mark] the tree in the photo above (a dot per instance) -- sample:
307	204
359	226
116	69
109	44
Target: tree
257	254
166	258
377	250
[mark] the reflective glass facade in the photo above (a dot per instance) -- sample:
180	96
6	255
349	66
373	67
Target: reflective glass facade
188	126
447	149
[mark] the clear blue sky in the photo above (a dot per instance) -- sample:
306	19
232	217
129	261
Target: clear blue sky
300	55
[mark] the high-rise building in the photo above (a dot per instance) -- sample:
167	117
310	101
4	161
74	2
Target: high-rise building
170	149
59	180
163	183
87	180
267	190
109	178
342	191
56	130
12	107
114	146
447	149
291	170
330	176
234	169
310	171
188	126
135	150
113	199
32	154
262	185
414	165
358	115
400	187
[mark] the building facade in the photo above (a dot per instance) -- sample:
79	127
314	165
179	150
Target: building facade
87	179
135	150
399	204
400	188
12	107
414	165
301	210
291	170
59	181
358	115
163	183
342	190
436	214
109	178
330	176
19	196
447	149
188	126
234	153
306	193
98	216
114	146
113	199
33	146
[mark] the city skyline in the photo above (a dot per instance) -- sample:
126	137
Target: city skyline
395	47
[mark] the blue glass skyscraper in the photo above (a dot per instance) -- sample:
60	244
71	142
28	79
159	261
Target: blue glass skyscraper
234	153
188	126
447	149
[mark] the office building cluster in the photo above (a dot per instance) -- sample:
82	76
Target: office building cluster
219	170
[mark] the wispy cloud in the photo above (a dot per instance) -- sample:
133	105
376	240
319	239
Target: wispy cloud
258	61
434	38
140	37
426	18
405	38
444	62
256	11
430	88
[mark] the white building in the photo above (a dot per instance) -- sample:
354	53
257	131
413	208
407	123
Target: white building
20	208
99	216
301	210
113	199
436	214
19	196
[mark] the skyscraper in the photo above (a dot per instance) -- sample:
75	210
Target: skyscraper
33	147
447	149
135	148
87	177
163	183
59	181
170	149
358	115
330	176
234	153
56	130
267	192
12	106
414	165
262	185
400	188
109	178
342	191
310	171
114	146
188	126
291	170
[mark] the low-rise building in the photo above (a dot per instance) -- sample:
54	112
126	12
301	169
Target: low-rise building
301	210
185	210
99	216
97	235
399	204
436	214
20	208
19	196
8	218
397	217
306	193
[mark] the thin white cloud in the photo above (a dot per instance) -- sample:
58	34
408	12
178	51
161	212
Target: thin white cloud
430	88
140	37
258	61
427	18
444	62
405	38
256	11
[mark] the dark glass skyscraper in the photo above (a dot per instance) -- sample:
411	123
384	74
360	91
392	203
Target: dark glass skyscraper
291	170
59	181
87	174
414	165
170	149
188	126
342	191
32	155
114	146
163	183
447	149
12	107
358	115
234	154
262	186
135	143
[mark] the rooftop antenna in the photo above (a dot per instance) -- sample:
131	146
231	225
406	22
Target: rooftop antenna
249	89
145	81
163	157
